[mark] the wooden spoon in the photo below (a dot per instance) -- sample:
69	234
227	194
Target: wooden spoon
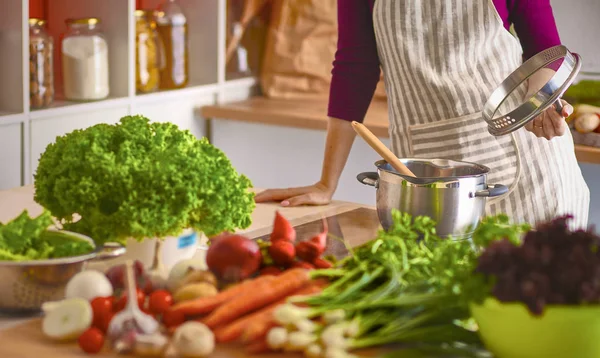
380	148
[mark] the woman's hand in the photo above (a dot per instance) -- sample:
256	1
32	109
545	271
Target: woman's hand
317	194
550	124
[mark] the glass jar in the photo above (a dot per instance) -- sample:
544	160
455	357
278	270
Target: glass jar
41	75
173	31
84	52
148	52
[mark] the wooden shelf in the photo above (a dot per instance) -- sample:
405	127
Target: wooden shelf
312	114
585	154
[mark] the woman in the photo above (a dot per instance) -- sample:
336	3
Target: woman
441	60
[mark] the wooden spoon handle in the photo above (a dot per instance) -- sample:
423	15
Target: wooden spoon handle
380	148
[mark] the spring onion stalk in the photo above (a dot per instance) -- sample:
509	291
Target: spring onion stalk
407	286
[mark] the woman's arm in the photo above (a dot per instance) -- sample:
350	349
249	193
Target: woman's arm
356	65
535	25
355	76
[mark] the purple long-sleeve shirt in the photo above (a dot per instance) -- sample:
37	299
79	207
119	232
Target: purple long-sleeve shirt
356	67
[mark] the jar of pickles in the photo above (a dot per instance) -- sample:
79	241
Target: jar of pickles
41	78
173	31
148	52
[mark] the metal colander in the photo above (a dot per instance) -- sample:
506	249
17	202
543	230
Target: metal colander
26	285
509	108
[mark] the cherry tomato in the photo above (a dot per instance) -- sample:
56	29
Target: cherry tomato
91	341
122	301
102	307
160	301
173	318
103	325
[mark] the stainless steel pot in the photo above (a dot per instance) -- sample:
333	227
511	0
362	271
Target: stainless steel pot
452	193
26	285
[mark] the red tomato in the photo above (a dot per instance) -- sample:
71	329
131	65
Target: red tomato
160	301
103	325
102	308
173	318
91	341
122	301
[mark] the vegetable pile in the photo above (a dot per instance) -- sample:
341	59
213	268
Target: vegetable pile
406	286
552	266
234	258
139	179
25	238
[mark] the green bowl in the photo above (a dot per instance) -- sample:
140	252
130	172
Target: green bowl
510	331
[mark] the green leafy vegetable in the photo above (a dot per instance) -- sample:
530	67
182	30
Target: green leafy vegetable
26	238
140	179
409	286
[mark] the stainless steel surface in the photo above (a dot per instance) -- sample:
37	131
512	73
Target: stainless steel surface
26	285
512	90
452	193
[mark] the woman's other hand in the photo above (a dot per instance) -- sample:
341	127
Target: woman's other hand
551	124
317	194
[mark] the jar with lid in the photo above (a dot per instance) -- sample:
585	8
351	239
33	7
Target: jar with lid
84	53
148	52
41	76
173	31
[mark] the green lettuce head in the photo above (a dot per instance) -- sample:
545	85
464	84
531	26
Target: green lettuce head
140	179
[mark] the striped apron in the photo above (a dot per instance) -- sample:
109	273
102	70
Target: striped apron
441	60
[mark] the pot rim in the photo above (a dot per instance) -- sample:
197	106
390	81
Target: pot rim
484	169
95	254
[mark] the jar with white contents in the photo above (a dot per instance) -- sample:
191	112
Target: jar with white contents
85	69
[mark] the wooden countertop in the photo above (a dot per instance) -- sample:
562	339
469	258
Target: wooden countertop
22	338
312	114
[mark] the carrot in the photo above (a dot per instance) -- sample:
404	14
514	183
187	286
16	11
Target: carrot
258	296
282	229
258	347
234	330
207	304
258	328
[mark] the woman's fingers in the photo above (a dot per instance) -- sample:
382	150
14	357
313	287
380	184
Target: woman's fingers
567	109
278	194
558	123
307	199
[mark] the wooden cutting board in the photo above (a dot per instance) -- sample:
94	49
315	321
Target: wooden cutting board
28	341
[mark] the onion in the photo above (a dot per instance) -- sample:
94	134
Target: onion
88	285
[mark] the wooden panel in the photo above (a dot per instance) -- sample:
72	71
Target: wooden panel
37	8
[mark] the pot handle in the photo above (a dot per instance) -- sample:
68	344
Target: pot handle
368	178
492	191
110	250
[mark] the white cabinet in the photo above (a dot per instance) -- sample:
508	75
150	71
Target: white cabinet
10	155
279	157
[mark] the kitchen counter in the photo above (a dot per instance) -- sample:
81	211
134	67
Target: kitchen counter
356	224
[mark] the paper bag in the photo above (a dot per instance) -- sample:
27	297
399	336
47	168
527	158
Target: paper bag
300	48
